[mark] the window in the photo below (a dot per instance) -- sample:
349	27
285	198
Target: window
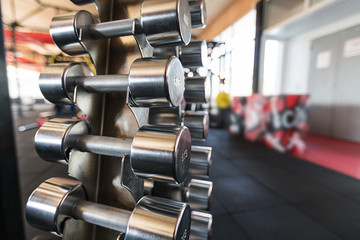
272	67
239	58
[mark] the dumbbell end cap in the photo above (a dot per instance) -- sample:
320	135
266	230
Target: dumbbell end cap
57	81
162	153
166	23
198	13
184	21
182	154
201	225
163	86
44	206
52	139
175	81
201	161
64	31
199	194
198	123
197	90
155	211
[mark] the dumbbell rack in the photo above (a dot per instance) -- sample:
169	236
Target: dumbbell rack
109	116
109	180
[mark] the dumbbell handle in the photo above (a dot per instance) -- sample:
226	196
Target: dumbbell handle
109	146
105	216
112	29
27	127
103	83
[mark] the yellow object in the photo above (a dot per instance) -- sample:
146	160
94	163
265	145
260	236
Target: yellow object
90	64
223	100
52	59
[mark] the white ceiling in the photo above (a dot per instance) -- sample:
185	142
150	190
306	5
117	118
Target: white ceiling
318	15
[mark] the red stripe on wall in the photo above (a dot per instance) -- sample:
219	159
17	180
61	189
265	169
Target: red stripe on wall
24	37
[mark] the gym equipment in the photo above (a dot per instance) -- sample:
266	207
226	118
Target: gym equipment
197	90
198	13
163	23
56	200
196	122
151	82
156	152
200	161
197	193
193	55
113	149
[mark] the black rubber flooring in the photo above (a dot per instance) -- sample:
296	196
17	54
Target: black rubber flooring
263	194
258	193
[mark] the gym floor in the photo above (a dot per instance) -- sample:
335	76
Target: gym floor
258	193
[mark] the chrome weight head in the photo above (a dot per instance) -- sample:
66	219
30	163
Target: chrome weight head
43	208
199	194
166	22
198	124
54	139
198	13
57	81
161	219
161	152
197	90
200	161
65	31
194	55
201	225
82	2
157	82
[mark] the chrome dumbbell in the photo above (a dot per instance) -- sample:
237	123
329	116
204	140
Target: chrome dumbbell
198	13
198	124
58	199
150	82
197	193
194	55
160	153
197	90
200	161
164	23
201	225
